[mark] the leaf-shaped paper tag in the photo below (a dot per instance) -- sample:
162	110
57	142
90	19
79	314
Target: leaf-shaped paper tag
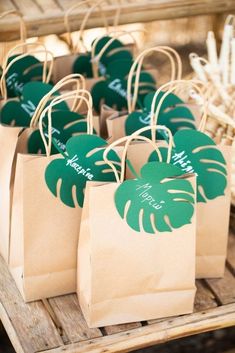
19	112
113	91
66	177
65	124
22	71
195	152
157	201
114	52
173	114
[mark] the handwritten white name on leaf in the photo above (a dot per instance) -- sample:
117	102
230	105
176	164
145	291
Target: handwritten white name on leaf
78	168
146	197
116	86
12	82
182	160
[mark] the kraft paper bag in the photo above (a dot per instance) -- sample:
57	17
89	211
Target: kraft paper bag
212	216
44	234
9	138
130	271
213	228
124	276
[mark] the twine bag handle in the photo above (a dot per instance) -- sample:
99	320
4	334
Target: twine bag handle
77	79
98	4
128	140
23	31
136	68
95	59
48	110
172	86
45	76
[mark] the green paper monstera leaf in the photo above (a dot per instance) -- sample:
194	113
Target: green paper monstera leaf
157	201
195	152
113	91
22	71
65	124
66	177
113	53
19	112
173	114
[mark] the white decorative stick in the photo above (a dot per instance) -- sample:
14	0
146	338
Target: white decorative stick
197	67
212	50
225	49
232	79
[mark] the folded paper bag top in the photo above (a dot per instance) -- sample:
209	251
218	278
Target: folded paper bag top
136	250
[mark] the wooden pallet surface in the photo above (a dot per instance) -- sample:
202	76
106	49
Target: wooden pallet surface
57	325
44	17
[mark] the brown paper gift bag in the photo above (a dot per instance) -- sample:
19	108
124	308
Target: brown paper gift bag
10	139
124	275
44	232
212	216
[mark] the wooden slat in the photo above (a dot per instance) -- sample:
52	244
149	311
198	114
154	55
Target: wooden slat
223	288
110	330
187	325
48	5
28	325
28	8
6	5
205	299
68	312
231	253
136	11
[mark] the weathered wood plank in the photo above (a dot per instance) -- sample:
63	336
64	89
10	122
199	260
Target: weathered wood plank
140	11
68	312
110	330
28	325
231	253
48	5
184	326
6	5
205	299
223	288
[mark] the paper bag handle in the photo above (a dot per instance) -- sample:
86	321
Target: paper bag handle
128	139
23	31
137	65
95	59
74	49
172	86
67	80
54	102
45	76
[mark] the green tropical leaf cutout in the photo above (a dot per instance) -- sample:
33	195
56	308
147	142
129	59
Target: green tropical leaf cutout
158	201
114	52
19	112
173	114
195	152
66	177
65	124
22	71
113	91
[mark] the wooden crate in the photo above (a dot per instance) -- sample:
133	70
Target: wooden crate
57	325
46	16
